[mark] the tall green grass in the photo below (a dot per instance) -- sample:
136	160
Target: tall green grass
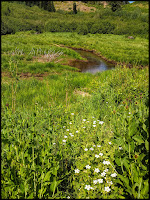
113	47
55	141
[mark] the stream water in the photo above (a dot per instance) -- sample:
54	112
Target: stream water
93	64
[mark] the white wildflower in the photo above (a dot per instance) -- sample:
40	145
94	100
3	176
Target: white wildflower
106	170
65	136
106	162
77	171
85	149
101	154
87	187
97	156
109	143
100	180
72	113
94	181
94	125
107	189
101	122
103	173
96	170
98	145
113	175
64	140
91	149
88	166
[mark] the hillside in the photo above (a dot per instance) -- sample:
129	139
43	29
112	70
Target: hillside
131	20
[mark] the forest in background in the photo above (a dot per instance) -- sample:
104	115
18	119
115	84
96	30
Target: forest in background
127	19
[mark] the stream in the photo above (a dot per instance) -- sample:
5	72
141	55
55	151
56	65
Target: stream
93	64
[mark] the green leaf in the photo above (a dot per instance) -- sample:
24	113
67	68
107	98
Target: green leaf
55	169
47	176
53	186
125	180
117	160
147	145
144	128
138	138
145	188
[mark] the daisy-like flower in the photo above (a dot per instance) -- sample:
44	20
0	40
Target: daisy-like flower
72	113
84	120
103	173
70	134
98	145
68	197
63	126
109	143
91	149
113	175
84	127
110	182
85	149
106	102
96	170
94	145
77	131
64	140
97	156
94	125
54	143
67	129
94	122
70	122
106	162
101	122
87	187
120	148
65	136
106	170
77	171
88	166
94	181
101	154
87	121
100	180
107	189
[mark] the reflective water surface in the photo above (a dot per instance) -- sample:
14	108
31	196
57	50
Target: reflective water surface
93	64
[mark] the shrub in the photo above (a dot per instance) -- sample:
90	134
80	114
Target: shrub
82	29
103	27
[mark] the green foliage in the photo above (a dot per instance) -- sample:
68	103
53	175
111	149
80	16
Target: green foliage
19	17
103	27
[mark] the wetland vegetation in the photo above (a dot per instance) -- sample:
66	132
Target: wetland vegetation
67	134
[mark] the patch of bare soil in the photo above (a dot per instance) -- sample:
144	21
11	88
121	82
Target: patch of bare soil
83	94
26	75
68	6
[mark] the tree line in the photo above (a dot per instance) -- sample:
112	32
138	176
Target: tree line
46	5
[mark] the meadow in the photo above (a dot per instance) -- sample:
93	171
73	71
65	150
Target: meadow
66	134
